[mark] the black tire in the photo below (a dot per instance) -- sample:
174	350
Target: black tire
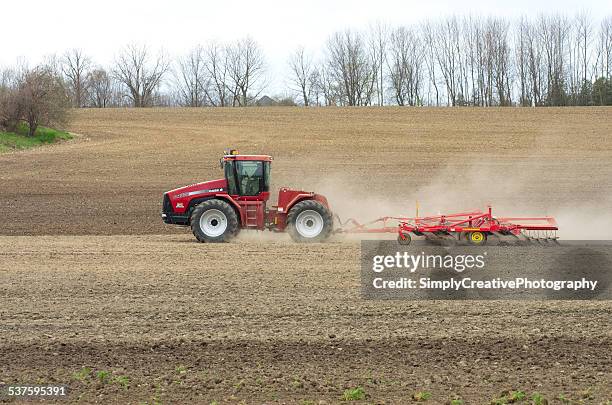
309	205
404	239
214	235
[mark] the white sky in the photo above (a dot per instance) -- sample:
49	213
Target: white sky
102	28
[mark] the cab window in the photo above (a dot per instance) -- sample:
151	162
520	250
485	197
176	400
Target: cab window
250	177
232	188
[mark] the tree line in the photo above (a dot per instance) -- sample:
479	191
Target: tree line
546	60
549	60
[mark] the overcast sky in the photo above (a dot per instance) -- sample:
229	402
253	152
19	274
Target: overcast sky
32	29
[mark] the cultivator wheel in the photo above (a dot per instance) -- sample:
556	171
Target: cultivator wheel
404	239
477	238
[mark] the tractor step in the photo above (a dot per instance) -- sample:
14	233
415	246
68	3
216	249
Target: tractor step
252	214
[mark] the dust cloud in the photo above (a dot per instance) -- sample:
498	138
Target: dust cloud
519	188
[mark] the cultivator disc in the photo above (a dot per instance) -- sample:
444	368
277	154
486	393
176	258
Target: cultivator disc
542	237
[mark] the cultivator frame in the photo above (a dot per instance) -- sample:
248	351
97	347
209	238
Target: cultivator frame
475	227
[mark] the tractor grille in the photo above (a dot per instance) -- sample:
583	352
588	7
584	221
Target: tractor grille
167	207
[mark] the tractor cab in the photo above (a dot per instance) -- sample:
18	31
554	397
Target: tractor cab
247	176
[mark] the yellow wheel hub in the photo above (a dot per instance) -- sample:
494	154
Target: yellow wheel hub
477	237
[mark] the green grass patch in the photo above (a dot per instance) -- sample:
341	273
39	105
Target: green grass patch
103	376
354	394
538	399
509	398
123	381
20	140
82	374
421	396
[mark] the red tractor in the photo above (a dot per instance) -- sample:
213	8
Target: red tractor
217	210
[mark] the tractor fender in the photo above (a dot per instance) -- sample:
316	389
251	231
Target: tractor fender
296	199
301	197
224	197
307	196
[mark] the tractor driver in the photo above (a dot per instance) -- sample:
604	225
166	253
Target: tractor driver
251	174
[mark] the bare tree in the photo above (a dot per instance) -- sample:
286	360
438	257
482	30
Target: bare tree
42	99
191	78
8	78
378	37
10	108
315	87
216	65
428	31
100	88
140	73
471	56
604	48
75	66
303	74
351	68
11	104
498	50
405	63
52	64
553	32
534	64
522	59
579	71
447	45
246	66
584	30
324	83
483	38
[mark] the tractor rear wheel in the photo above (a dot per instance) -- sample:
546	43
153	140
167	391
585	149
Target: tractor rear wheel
309	221
214	221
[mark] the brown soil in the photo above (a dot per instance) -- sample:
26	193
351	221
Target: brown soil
265	320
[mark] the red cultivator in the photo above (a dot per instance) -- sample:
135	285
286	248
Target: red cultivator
474	227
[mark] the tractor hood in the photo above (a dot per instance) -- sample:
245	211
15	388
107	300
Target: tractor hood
195	190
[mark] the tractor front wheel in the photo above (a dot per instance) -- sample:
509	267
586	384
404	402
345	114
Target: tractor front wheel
309	221
214	221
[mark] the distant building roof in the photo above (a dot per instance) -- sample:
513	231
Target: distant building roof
266	101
